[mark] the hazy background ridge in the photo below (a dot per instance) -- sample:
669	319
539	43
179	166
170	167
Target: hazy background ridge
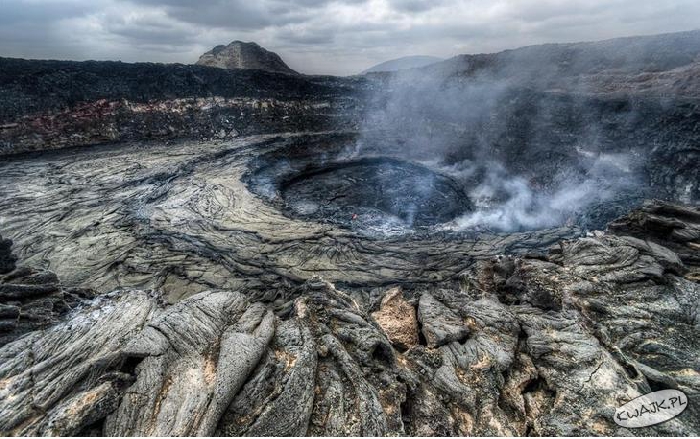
321	36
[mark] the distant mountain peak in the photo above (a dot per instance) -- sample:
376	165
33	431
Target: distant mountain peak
242	55
403	63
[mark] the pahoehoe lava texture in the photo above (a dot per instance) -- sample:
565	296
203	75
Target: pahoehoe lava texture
182	220
218	266
546	344
379	190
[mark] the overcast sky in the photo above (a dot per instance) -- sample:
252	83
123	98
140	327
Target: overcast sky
321	36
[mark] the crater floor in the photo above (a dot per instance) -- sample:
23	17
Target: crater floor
191	216
383	194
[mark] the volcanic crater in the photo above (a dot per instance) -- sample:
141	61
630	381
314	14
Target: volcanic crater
374	193
376	187
460	250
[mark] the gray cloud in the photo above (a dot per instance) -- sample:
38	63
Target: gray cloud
415	5
239	14
25	12
321	36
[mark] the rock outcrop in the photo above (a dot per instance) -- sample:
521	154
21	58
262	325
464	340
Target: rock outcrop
31	299
240	55
50	105
7	259
397	318
527	345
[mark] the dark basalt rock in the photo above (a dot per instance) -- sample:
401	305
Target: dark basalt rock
32	299
7	259
670	225
50	105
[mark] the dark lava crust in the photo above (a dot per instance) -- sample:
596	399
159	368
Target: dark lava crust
376	190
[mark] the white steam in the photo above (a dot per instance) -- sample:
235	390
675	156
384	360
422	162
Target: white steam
506	203
459	124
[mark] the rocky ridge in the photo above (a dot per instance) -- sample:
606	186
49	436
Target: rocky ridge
406	62
552	65
547	344
240	55
31	298
57	104
47	105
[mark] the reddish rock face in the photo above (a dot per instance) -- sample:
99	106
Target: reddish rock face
398	320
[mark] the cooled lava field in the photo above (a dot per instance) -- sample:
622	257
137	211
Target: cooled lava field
493	245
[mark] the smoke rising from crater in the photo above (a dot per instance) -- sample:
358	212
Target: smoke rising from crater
507	202
527	155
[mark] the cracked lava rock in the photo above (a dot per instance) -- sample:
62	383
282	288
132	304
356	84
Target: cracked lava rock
548	344
239	258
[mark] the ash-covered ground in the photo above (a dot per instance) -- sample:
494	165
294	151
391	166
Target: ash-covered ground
463	249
